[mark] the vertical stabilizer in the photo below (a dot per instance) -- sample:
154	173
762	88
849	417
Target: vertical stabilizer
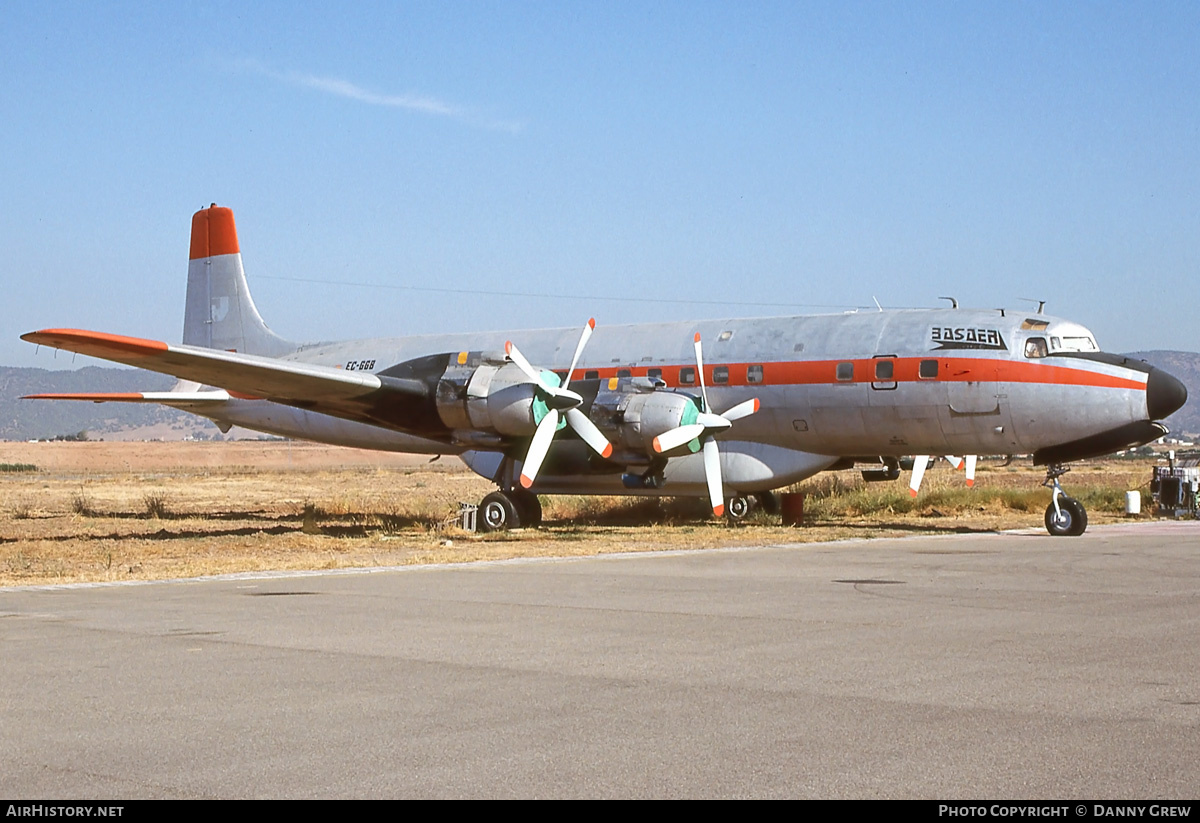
220	313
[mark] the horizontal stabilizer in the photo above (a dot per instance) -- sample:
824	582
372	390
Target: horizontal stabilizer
244	375
176	399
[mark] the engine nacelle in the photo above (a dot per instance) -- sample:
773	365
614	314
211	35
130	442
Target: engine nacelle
633	419
488	397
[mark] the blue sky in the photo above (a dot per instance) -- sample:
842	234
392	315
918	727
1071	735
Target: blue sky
622	158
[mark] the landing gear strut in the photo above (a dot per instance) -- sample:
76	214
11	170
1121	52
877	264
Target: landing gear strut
1065	516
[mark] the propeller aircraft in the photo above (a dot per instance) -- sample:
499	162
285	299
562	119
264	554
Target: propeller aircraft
638	410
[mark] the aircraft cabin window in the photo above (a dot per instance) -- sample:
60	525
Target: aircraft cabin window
1036	347
754	374
623	372
654	374
884	369
845	372
591	374
928	370
721	374
687	376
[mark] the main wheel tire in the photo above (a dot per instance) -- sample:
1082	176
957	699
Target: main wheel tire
1080	515
498	513
529	508
1069	521
738	508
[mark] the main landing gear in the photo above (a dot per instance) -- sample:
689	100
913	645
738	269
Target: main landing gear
741	506
1065	516
509	509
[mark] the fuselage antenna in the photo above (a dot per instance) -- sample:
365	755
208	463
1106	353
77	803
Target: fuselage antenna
953	301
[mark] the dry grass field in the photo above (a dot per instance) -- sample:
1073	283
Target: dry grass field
141	511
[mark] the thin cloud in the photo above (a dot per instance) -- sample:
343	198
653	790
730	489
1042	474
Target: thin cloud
409	102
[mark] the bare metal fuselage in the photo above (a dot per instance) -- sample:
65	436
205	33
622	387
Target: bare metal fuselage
953	381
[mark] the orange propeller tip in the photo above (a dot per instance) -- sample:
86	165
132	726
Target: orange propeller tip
608	450
657	447
696	339
912	492
719	511
970	483
591	322
508	347
526	481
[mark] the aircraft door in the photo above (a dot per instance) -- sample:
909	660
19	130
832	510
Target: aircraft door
977	417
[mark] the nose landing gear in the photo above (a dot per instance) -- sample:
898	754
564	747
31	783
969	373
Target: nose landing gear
1065	516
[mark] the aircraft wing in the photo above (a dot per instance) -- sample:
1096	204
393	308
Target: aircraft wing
243	375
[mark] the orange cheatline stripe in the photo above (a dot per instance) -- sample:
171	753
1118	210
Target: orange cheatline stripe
905	370
83	341
213	233
96	397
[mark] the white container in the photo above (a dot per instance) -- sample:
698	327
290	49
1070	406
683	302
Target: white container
1133	502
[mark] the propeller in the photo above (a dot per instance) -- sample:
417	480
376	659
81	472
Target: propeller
700	432
922	460
561	408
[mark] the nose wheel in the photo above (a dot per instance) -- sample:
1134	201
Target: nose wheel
1065	516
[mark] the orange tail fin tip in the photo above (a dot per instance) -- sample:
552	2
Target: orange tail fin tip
213	233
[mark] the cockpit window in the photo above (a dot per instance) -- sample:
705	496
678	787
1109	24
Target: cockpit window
1079	344
1036	347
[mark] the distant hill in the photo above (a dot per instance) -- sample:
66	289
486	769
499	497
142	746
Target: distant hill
1186	366
33	419
30	419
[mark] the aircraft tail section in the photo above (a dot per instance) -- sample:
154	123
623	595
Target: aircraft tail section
220	314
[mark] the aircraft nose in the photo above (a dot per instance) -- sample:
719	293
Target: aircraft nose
1164	394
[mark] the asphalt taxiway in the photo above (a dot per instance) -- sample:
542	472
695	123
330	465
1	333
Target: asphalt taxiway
1010	666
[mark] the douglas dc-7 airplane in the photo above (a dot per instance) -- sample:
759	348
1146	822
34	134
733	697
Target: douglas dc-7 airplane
637	409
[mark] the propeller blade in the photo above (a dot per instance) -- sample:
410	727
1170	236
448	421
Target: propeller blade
712	473
514	354
713	422
920	462
583	338
700	370
555	397
742	410
538	447
971	458
588	433
955	461
674	438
